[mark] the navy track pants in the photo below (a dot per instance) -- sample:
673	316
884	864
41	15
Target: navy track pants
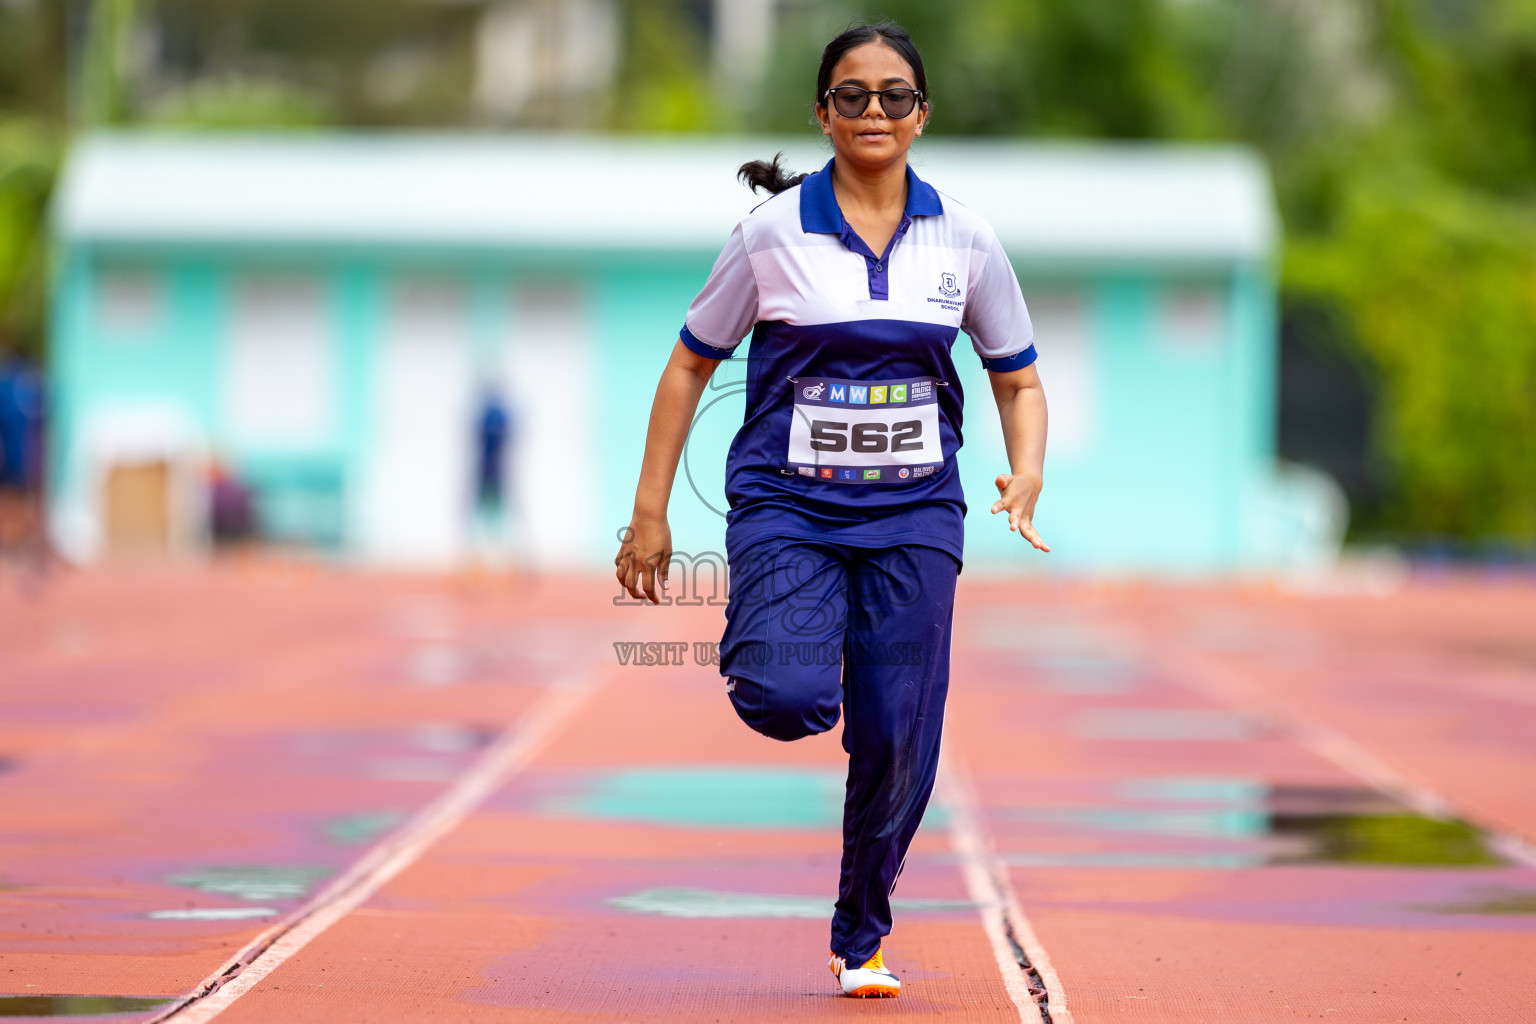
811	626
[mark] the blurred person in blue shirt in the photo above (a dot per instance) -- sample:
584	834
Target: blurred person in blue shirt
21	427
494	426
21	463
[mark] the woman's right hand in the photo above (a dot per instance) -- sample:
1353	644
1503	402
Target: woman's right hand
644	557
645	549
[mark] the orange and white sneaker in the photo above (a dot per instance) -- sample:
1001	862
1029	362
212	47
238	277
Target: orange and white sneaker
872	981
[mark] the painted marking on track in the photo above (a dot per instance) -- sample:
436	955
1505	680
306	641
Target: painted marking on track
509	754
987	882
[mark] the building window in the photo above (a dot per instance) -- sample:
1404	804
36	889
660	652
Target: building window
1069	368
417	488
129	304
279	381
1192	319
552	343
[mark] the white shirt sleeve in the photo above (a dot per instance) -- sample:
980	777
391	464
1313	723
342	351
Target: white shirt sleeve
726	308
995	315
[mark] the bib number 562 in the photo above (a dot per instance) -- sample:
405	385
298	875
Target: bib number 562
867	438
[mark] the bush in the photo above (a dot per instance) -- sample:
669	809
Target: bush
1437	284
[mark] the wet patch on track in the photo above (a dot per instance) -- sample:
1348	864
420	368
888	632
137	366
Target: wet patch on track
1404	838
1240	849
1496	901
52	1007
353	829
258	883
1192	822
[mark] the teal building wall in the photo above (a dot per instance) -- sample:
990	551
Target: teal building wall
1166	427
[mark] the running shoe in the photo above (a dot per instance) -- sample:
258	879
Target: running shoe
872	981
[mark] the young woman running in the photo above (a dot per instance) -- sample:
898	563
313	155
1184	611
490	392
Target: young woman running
846	522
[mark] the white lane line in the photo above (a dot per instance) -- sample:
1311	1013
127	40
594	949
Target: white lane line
510	753
987	883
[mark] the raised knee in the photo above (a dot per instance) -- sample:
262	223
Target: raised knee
768	711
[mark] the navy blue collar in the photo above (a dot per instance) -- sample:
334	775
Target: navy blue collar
820	214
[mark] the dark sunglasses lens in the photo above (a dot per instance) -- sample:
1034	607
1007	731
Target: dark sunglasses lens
850	102
898	103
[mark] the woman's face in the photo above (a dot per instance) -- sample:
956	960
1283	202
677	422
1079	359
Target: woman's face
872	139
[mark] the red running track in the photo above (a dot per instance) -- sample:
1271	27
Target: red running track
1222	804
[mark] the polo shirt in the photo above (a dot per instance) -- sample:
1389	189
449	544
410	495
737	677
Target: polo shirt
839	333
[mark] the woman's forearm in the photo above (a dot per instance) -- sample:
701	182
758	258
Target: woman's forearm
1022	411
672	411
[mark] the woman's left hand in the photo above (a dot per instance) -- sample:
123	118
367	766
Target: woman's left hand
1018	494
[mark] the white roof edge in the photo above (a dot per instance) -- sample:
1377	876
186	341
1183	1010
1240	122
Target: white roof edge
1045	200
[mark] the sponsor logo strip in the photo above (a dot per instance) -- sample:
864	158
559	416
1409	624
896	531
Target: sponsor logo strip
865	474
827	391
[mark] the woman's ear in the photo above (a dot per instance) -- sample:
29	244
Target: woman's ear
823	118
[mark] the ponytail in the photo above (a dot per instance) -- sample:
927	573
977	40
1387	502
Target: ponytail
768	175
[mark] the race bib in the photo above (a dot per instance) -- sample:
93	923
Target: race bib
865	432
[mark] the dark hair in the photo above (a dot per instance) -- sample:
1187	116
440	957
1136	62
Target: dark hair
767	174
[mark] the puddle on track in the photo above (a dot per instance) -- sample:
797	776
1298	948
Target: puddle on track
257	883
1406	839
1236	823
77	1006
356	829
1516	902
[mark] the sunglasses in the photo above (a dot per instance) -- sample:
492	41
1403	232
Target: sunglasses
851	101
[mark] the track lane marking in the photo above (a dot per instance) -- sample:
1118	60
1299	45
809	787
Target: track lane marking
987	883
512	751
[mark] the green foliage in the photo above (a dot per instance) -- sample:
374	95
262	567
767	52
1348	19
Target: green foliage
240	103
1401	133
1438	284
352	62
1402	136
31	46
29	151
103	78
1421	232
664	75
1090	68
